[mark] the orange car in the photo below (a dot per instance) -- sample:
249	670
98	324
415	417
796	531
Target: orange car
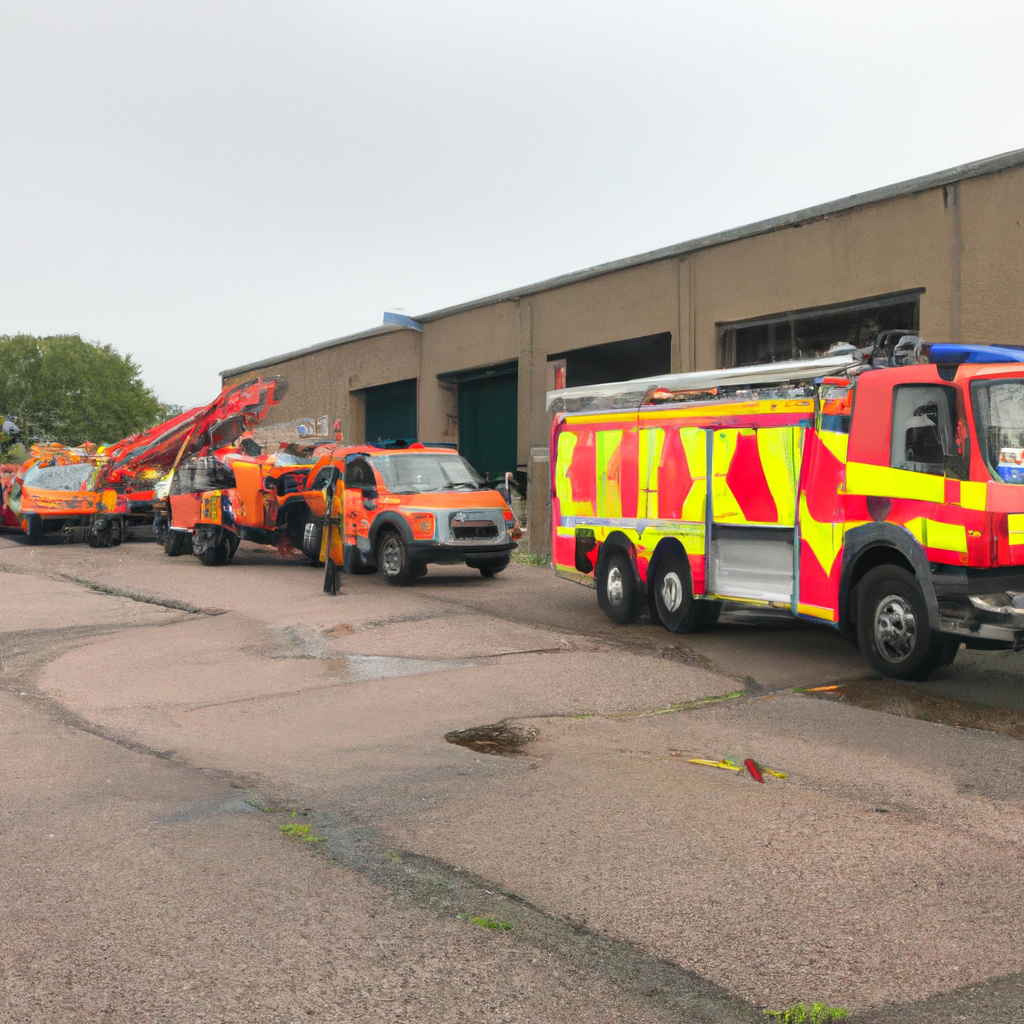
397	510
61	488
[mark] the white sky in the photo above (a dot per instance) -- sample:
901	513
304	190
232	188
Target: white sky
204	184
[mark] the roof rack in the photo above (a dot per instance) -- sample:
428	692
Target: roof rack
630	394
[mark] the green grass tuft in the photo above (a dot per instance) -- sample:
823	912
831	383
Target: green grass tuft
801	1013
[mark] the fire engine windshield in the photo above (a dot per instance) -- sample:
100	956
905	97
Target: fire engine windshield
999	418
414	474
76	476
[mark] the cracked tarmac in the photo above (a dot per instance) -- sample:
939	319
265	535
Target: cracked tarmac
639	887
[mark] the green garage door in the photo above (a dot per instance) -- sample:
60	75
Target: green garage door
487	423
391	411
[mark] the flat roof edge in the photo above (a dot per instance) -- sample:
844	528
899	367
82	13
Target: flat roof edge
260	364
974	169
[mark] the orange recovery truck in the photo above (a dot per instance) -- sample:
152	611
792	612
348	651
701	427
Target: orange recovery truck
396	510
878	491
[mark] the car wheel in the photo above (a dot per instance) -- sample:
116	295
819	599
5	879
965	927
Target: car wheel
33	528
676	607
617	590
174	542
393	561
893	629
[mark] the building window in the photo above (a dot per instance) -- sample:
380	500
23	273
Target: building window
810	333
615	360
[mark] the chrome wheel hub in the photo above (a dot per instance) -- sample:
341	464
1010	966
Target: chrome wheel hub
671	591
391	556
613	587
895	628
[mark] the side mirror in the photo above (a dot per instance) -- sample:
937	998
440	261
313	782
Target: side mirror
369	497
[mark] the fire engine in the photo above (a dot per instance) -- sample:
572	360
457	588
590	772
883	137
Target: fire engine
880	491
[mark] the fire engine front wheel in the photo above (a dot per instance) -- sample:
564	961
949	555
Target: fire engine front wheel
393	561
893	630
617	592
676	607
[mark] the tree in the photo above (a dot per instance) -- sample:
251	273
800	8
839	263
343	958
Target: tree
65	389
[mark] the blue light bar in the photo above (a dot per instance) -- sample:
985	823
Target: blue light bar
974	354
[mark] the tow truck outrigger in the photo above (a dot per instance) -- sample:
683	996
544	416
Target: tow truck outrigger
881	492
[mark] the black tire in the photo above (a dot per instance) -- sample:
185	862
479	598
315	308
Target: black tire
33	528
393	561
215	553
618	594
490	569
174	542
893	630
675	607
117	531
100	538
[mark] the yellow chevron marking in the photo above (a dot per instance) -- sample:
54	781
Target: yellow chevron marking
862	478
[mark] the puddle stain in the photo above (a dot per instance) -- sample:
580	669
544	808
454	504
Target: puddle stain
501	739
908	701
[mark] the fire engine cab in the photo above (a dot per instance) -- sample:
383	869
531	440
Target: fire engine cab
880	491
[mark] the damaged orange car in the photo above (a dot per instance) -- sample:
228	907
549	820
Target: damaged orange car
60	489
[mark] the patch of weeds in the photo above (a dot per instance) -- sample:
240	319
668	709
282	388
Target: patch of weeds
528	558
253	801
801	1013
303	833
687	705
494	923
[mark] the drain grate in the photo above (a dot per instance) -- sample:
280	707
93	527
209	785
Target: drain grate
502	739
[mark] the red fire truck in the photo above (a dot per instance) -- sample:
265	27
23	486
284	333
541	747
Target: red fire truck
879	491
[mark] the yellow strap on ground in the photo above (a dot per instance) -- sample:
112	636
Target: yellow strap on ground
728	765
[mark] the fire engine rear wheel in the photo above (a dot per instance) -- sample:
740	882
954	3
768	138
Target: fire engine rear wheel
893	630
116	532
393	561
617	592
33	528
676	607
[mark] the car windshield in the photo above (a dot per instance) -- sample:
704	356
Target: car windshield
76	476
413	474
999	418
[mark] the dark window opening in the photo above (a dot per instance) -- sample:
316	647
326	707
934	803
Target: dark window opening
391	411
649	356
810	333
929	434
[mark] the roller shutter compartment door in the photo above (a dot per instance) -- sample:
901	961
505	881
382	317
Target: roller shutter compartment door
488	424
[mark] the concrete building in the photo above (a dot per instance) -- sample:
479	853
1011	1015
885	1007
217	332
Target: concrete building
942	254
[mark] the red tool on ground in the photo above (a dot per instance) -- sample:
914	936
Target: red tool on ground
755	772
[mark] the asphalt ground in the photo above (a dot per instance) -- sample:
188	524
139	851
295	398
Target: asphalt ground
160	722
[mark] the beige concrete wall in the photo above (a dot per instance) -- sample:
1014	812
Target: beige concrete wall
320	383
628	304
900	244
967	255
992	268
477	337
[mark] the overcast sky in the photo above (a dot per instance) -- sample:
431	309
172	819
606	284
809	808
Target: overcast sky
203	184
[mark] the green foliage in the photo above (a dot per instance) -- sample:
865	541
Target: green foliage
494	923
801	1013
528	558
65	389
302	832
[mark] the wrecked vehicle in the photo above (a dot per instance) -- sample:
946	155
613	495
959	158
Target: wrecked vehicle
881	492
219	498
397	510
61	489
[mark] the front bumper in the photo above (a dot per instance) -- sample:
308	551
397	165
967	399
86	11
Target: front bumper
985	607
